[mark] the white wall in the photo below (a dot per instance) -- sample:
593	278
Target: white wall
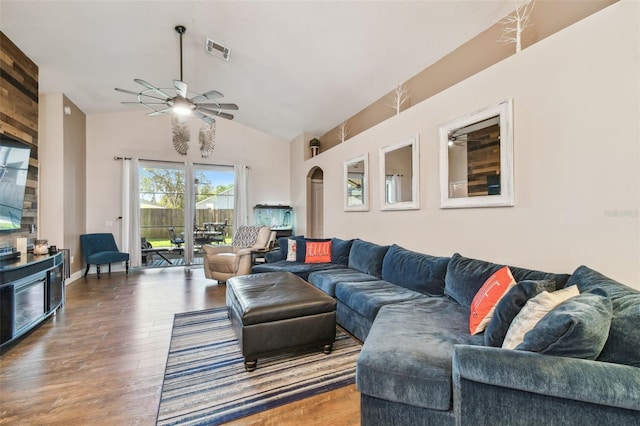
133	134
577	159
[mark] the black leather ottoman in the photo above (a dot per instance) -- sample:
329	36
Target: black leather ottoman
279	311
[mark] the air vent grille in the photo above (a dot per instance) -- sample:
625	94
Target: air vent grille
217	49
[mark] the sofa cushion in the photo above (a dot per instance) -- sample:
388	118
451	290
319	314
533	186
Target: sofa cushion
367	257
416	271
465	276
367	297
340	251
577	328
510	305
326	280
534	310
300	269
407	355
623	344
484	302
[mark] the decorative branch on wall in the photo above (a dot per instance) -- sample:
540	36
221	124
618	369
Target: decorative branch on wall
343	131
207	137
398	96
181	136
516	23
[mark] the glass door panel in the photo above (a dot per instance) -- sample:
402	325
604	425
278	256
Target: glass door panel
162	214
214	203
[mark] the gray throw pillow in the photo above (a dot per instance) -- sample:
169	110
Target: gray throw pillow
577	328
623	344
510	305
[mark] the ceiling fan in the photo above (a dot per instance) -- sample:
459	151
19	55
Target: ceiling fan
178	101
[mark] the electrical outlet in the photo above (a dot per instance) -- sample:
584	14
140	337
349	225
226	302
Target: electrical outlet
108	223
71	259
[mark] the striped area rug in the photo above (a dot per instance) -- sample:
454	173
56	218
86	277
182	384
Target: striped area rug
205	382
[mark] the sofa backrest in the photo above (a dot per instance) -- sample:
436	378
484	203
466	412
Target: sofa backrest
367	257
465	276
416	271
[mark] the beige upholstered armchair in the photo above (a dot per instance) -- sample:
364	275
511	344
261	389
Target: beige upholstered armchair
224	262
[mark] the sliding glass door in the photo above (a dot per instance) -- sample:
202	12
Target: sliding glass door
176	218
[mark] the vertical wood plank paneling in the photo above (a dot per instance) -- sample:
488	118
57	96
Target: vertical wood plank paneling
19	119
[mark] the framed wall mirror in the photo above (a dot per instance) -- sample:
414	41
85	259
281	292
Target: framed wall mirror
476	159
399	175
356	184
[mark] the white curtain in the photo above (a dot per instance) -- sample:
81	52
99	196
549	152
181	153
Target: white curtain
241	207
131	211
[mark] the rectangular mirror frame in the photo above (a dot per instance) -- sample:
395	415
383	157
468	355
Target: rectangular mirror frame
414	204
504	110
365	184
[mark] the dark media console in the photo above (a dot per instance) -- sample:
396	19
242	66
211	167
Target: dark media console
31	290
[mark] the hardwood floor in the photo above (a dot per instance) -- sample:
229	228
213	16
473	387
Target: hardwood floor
101	359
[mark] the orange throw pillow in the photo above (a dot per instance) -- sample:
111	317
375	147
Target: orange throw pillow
485	301
318	252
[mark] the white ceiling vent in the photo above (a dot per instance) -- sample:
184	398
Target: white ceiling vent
217	49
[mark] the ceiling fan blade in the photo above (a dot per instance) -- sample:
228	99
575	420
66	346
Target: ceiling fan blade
205	118
143	103
181	88
158	112
219	106
233	107
128	92
216	113
151	87
210	95
226	115
213	94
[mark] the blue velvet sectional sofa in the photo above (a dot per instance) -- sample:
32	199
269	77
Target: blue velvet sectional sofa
419	364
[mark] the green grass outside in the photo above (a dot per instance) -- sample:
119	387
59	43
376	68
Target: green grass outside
157	243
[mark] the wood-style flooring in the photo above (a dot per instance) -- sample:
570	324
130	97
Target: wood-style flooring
100	360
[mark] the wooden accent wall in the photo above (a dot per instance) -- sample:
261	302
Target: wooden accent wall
19	119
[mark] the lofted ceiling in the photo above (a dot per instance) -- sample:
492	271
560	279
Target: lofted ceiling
295	66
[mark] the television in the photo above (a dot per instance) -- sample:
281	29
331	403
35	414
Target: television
14	166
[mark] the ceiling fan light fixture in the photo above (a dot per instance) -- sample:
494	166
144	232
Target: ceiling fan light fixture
181	106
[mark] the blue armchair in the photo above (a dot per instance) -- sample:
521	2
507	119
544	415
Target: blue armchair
101	249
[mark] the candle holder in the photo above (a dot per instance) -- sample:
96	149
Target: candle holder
41	247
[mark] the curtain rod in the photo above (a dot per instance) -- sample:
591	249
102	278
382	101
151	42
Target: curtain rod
175	162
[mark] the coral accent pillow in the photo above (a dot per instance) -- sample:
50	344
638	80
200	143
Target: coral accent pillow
291	250
318	252
486	299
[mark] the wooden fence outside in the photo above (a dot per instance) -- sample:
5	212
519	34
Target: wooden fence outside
155	223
